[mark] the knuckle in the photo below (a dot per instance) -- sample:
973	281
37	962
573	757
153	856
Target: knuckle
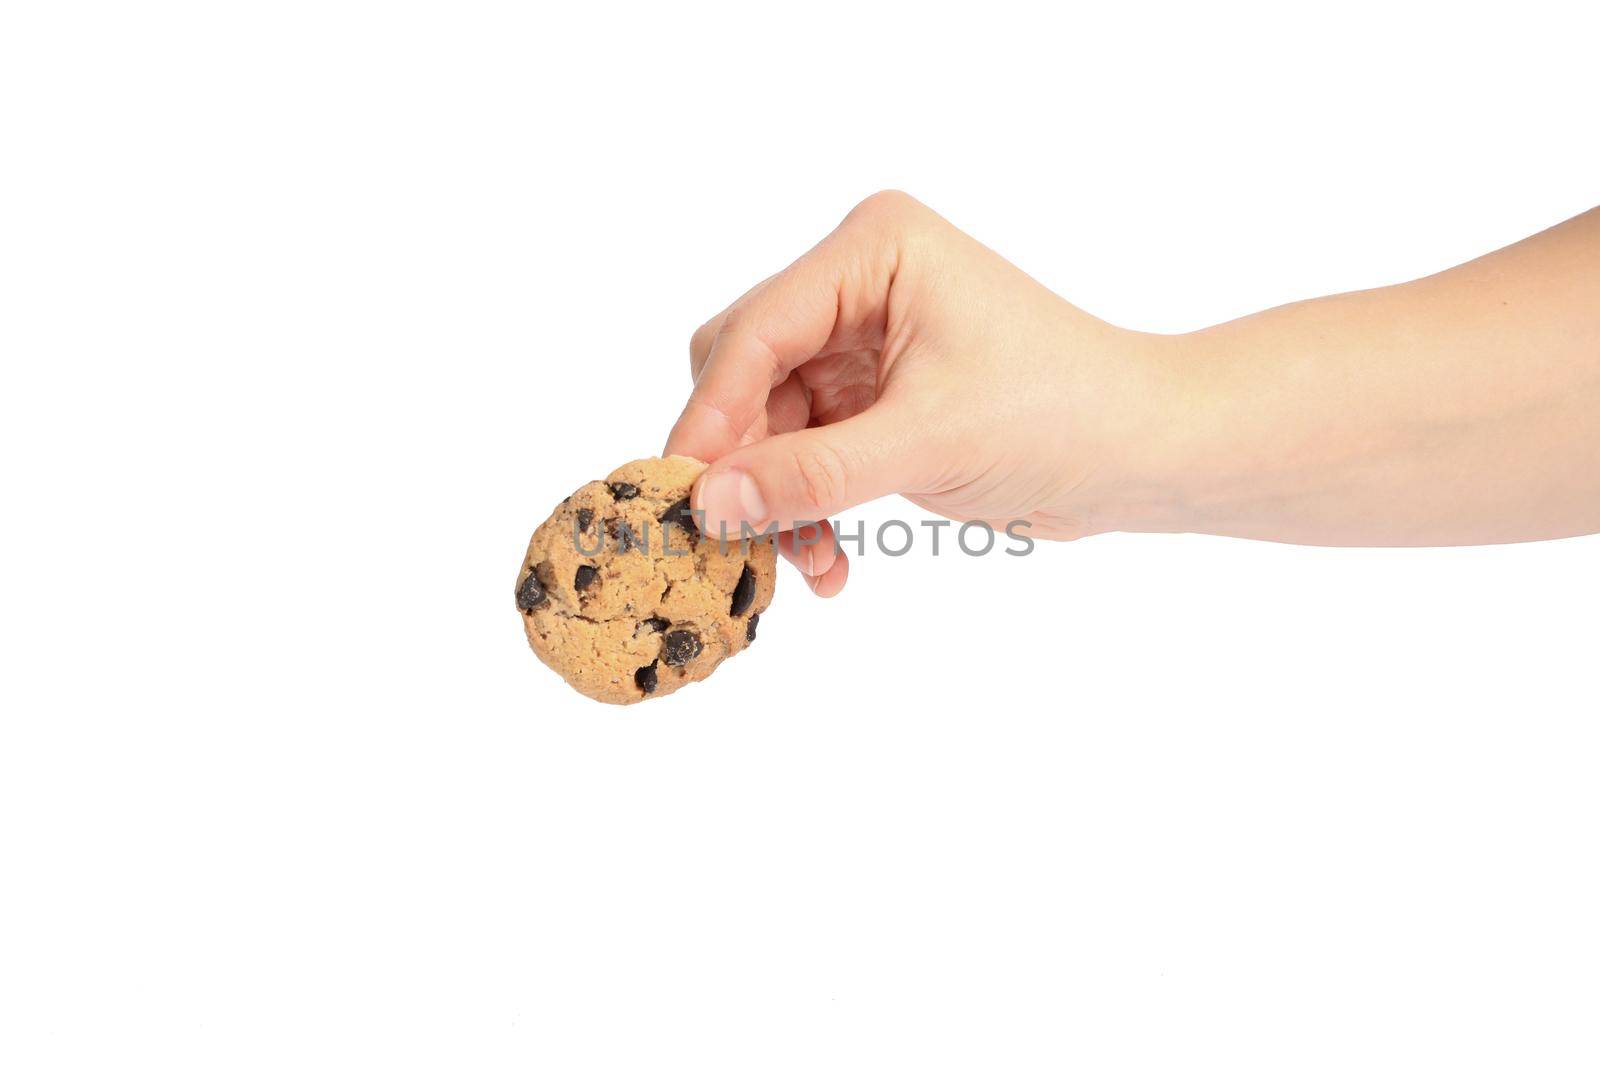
741	333
821	475
735	326
886	206
700	344
700	340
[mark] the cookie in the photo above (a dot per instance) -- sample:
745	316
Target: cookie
624	598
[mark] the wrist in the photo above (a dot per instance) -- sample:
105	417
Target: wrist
1258	430
1163	449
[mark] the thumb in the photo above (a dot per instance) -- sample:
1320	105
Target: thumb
811	474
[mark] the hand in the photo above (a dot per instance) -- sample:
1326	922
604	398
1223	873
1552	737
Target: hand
901	356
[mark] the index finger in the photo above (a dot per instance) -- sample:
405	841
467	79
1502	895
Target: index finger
753	346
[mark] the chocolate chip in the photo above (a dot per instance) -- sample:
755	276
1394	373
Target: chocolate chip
584	578
682	514
530	594
622	533
645	678
679	647
744	594
623	491
656	623
750	628
585	517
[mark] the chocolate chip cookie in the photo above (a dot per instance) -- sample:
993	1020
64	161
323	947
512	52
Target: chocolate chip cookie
624	598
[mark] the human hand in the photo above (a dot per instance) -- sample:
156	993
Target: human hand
901	356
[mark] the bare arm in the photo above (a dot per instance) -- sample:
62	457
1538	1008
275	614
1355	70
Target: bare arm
1460	408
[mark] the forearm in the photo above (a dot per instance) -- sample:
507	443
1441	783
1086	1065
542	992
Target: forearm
1461	408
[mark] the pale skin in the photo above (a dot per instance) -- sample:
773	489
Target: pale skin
901	356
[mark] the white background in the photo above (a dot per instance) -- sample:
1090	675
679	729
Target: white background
312	311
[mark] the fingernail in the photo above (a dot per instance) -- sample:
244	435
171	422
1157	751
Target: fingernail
805	558
730	497
818	561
